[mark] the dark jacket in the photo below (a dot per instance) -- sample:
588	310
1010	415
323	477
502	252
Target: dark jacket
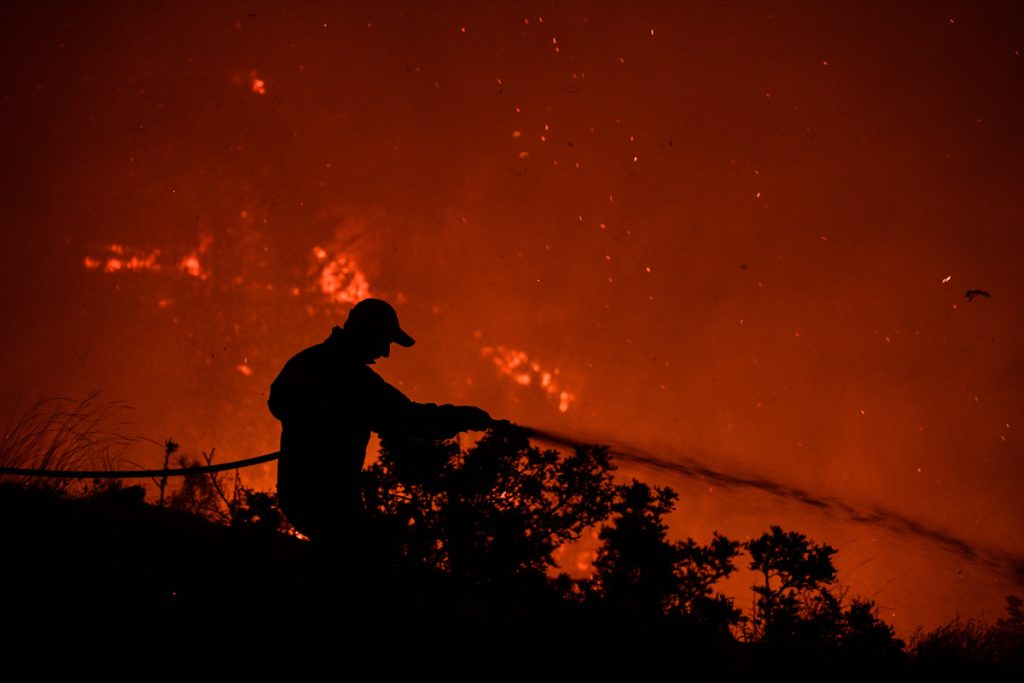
328	402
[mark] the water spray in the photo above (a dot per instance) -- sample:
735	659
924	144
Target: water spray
872	515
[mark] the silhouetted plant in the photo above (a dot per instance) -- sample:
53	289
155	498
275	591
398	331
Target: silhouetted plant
496	510
969	647
200	494
170	448
639	570
1009	634
116	491
62	434
864	636
255	509
635	565
793	604
959	645
799	608
210	496
698	569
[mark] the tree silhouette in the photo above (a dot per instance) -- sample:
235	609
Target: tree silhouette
636	565
799	613
794	602
497	510
698	569
639	571
865	638
470	536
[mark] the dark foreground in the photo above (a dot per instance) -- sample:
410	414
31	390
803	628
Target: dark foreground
116	588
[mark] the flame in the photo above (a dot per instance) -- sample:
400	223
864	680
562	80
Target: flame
517	365
339	277
258	85
190	264
120	257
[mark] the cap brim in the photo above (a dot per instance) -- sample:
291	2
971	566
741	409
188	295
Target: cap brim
402	339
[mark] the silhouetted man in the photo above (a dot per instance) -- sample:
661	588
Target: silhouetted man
328	401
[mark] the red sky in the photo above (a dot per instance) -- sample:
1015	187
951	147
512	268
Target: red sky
741	232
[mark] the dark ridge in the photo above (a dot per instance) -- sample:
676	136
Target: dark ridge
126	590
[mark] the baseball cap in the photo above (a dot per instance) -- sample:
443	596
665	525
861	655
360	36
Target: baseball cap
377	315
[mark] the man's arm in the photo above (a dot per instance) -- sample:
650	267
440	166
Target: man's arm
392	413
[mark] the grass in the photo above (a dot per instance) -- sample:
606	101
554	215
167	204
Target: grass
63	434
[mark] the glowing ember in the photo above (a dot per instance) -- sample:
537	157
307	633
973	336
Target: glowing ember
258	85
518	366
339	277
190	264
120	258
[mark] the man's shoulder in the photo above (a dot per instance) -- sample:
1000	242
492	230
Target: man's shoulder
313	354
325	360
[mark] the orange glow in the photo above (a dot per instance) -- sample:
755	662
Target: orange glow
517	365
123	258
258	85
190	264
391	163
339	277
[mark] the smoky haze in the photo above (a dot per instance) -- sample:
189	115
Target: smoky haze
742	232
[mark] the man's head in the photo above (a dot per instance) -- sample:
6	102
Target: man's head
372	325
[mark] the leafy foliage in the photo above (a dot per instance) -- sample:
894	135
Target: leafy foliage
216	497
799	605
971	646
63	434
794	601
639	570
493	515
494	511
